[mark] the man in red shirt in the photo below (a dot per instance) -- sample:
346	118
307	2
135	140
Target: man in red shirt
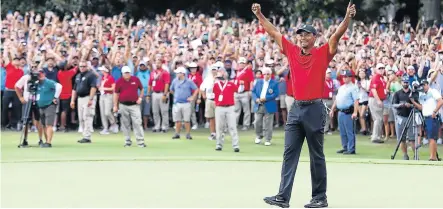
13	74
65	78
127	99
159	88
198	80
224	91
244	77
327	98
377	95
308	66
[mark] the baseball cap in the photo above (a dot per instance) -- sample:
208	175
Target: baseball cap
192	65
180	70
307	28
347	73
424	81
103	68
405	79
399	73
410	67
242	60
269	62
328	70
379	65
126	69
142	63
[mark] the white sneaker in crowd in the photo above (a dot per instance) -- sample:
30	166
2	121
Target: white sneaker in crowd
440	141
80	129
257	140
114	128
425	141
54	128
207	125
194	127
267	143
104	132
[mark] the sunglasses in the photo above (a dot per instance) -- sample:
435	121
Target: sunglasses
82	66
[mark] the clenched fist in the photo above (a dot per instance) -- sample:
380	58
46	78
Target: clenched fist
350	11
256	8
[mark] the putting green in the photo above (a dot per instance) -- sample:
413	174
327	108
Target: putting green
211	184
181	173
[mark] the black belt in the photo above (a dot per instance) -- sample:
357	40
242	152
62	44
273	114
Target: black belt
306	102
226	105
129	103
211	99
158	92
347	111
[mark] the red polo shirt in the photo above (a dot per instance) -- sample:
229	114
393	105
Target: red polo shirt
65	79
247	76
158	80
289	90
307	71
128	90
13	74
379	85
329	89
197	79
226	94
108	81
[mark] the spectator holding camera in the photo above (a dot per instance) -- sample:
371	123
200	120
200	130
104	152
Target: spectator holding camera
430	102
23	94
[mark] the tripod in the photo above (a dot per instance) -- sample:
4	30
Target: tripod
411	121
25	118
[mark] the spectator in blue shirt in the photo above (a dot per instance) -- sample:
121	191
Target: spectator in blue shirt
184	91
143	74
346	103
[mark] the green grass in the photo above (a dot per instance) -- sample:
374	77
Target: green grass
182	173
161	146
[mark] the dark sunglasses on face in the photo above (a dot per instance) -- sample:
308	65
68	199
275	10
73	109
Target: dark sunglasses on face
82	66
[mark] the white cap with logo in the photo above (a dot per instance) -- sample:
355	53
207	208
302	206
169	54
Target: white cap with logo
180	70
126	69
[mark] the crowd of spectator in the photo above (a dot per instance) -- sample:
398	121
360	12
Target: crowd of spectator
197	42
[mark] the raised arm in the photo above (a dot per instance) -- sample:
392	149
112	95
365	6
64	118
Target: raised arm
335	38
267	25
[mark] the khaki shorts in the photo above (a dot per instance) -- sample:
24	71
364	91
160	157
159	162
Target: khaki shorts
210	109
181	112
47	115
282	101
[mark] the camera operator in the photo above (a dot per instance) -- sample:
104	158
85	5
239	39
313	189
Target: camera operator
48	93
401	101
23	87
430	103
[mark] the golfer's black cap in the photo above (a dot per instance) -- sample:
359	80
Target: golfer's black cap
307	28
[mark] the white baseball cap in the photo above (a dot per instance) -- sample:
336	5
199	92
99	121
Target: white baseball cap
242	60
126	69
266	70
379	65
180	70
192	65
269	61
103	68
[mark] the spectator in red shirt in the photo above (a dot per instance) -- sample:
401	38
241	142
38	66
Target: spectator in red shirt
197	79
224	91
127	102
159	82
244	77
377	96
65	76
13	74
107	86
308	66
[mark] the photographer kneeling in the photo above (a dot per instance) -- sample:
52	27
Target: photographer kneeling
48	92
430	103
402	102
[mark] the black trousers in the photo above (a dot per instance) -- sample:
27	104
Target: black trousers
304	121
8	97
